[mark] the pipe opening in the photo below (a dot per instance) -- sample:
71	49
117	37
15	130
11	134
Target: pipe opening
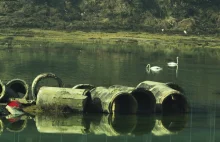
123	124
175	103
124	104
17	88
145	100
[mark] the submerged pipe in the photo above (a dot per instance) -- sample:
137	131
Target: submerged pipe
61	99
15	123
113	125
17	89
167	99
144	125
36	82
170	124
105	100
65	124
2	92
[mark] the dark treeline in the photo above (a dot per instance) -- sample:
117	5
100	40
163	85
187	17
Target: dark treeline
195	16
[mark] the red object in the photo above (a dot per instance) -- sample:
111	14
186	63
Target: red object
14	104
11	120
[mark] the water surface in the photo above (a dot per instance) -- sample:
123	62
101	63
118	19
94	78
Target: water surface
198	75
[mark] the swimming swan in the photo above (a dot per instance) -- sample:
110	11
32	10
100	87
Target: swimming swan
154	68
173	64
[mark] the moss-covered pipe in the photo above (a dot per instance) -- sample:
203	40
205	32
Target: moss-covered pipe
84	86
61	99
36	82
145	99
105	100
2	92
65	123
114	125
170	124
167	99
17	89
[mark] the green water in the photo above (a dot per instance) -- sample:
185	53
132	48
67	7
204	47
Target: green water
197	75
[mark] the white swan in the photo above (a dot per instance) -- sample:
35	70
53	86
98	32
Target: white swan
173	64
153	69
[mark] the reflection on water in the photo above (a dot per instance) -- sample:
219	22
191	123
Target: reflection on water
198	75
181	127
98	124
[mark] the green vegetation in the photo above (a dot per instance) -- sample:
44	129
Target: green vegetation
174	16
46	23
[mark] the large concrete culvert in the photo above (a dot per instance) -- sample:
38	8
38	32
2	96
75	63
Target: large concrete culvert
124	103
168	98
145	100
174	103
112	100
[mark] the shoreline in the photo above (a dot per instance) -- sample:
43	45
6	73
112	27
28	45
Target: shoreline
28	36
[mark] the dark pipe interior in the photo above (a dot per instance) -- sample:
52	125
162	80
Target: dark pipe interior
175	122
145	124
124	104
1	89
175	103
145	99
18	88
123	124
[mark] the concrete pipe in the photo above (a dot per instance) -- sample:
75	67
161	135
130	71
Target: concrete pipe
36	82
16	124
111	101
168	100
170	124
2	92
145	99
84	86
17	89
114	125
64	124
61	99
175	86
